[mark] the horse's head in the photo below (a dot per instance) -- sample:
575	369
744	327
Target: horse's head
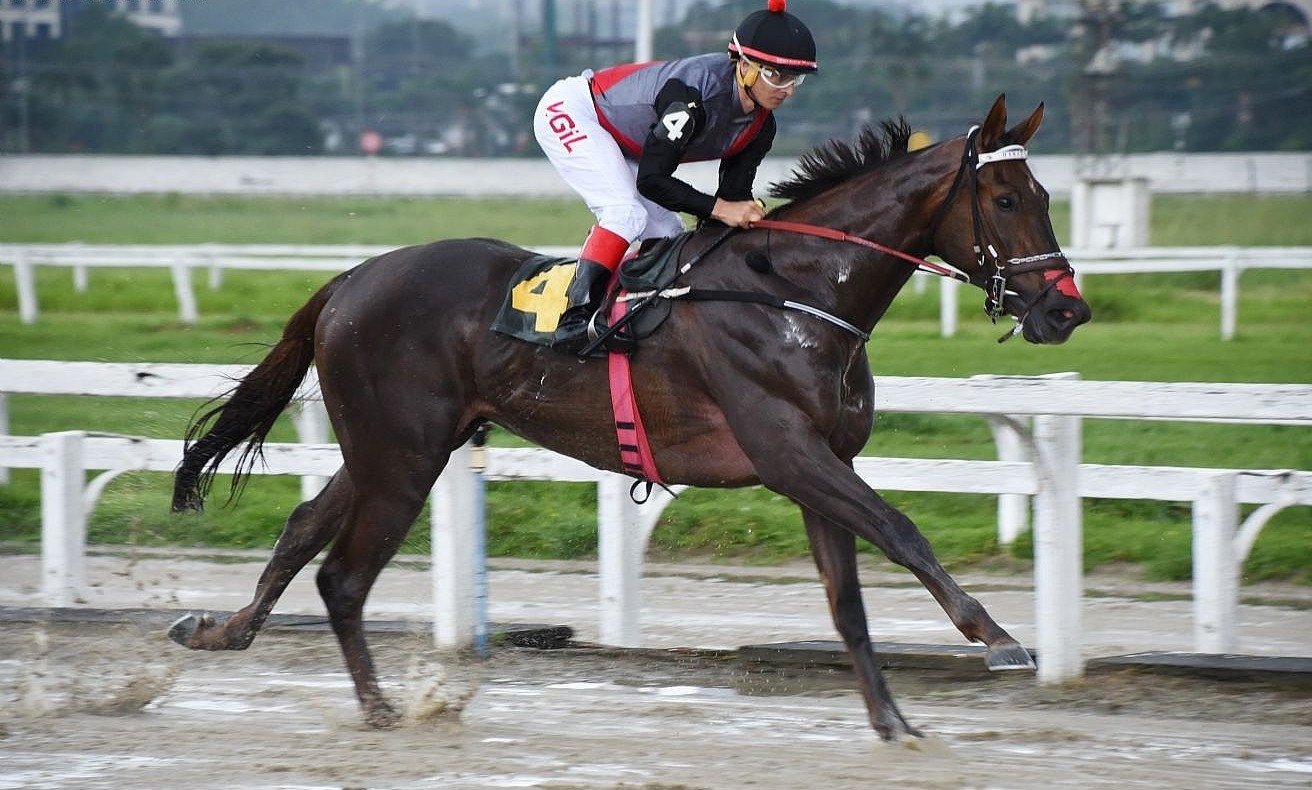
993	225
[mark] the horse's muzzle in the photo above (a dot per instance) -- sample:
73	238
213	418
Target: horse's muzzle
1054	318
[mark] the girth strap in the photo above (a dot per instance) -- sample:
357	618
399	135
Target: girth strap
635	451
713	295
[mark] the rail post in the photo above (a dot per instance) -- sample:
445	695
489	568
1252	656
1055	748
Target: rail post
187	310
453	504
63	518
620	545
1013	509
1216	575
1230	269
25	283
1058	547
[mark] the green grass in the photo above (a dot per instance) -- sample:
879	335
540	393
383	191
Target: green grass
1147	327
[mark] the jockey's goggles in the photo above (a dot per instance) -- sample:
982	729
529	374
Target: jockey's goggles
776	77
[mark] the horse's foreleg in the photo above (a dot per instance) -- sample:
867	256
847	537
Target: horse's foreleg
834	550
820	481
902	542
309	528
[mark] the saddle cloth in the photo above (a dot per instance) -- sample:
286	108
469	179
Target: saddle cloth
537	294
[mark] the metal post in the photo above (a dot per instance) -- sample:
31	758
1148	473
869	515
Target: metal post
477	466
642	37
947	306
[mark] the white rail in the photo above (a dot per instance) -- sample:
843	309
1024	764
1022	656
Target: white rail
1040	415
181	260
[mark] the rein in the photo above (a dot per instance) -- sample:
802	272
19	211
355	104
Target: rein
838	235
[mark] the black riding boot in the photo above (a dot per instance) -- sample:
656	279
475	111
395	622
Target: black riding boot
585	292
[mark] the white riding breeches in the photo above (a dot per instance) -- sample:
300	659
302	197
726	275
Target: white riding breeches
592	163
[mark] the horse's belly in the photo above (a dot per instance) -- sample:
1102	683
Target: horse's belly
690	446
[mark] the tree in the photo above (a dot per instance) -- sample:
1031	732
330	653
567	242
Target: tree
97	88
239	97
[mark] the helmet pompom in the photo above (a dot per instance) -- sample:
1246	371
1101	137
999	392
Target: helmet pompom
777	6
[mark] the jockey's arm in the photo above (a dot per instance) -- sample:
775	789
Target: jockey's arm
734	203
679	118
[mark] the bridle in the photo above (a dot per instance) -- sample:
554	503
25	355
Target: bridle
995	285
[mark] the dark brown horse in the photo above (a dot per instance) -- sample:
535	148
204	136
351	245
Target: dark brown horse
732	394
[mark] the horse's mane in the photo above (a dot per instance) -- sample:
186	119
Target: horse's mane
830	164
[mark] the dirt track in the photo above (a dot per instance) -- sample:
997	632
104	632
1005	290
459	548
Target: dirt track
103	705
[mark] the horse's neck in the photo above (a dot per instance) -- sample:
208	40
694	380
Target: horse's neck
892	206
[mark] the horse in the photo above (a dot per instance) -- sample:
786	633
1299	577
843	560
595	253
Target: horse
410	371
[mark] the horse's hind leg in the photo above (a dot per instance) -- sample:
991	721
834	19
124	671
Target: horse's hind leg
834	550
371	536
309	528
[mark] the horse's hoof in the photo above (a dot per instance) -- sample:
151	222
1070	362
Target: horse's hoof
1009	656
896	730
382	716
184	629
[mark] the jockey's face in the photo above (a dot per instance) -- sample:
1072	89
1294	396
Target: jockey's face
766	86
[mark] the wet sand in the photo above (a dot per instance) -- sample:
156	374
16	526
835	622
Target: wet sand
117	705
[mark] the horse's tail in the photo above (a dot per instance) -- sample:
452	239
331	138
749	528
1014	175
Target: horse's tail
247	412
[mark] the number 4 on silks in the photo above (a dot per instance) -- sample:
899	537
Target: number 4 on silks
674	123
544	296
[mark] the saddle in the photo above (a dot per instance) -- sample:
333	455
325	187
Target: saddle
536	297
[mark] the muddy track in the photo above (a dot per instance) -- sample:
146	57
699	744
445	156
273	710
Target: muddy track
100	705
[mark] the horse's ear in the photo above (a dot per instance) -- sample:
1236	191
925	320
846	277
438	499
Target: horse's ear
1021	133
990	134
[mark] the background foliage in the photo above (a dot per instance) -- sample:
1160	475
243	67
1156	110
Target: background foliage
1216	80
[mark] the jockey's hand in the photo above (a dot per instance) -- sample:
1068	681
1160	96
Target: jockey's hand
737	213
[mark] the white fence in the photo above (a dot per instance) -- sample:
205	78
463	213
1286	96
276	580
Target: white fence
214	259
1037	421
1260	172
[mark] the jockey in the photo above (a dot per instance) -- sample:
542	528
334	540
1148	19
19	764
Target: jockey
617	135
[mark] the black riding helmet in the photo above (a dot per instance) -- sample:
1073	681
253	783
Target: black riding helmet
775	37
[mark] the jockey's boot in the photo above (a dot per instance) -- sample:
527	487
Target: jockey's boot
600	256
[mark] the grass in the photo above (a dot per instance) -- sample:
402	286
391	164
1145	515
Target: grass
1147	327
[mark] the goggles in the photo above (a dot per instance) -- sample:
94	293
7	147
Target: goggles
776	77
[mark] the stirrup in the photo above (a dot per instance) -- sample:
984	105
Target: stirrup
618	342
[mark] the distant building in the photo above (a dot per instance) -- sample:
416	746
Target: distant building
49	19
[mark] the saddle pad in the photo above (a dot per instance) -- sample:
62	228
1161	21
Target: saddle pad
536	299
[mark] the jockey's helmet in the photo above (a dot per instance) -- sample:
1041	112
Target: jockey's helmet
775	37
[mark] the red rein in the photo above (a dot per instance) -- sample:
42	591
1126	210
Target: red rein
838	235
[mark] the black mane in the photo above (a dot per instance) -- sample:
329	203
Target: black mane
830	164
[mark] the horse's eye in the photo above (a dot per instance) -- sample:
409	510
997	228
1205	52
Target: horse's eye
1007	202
